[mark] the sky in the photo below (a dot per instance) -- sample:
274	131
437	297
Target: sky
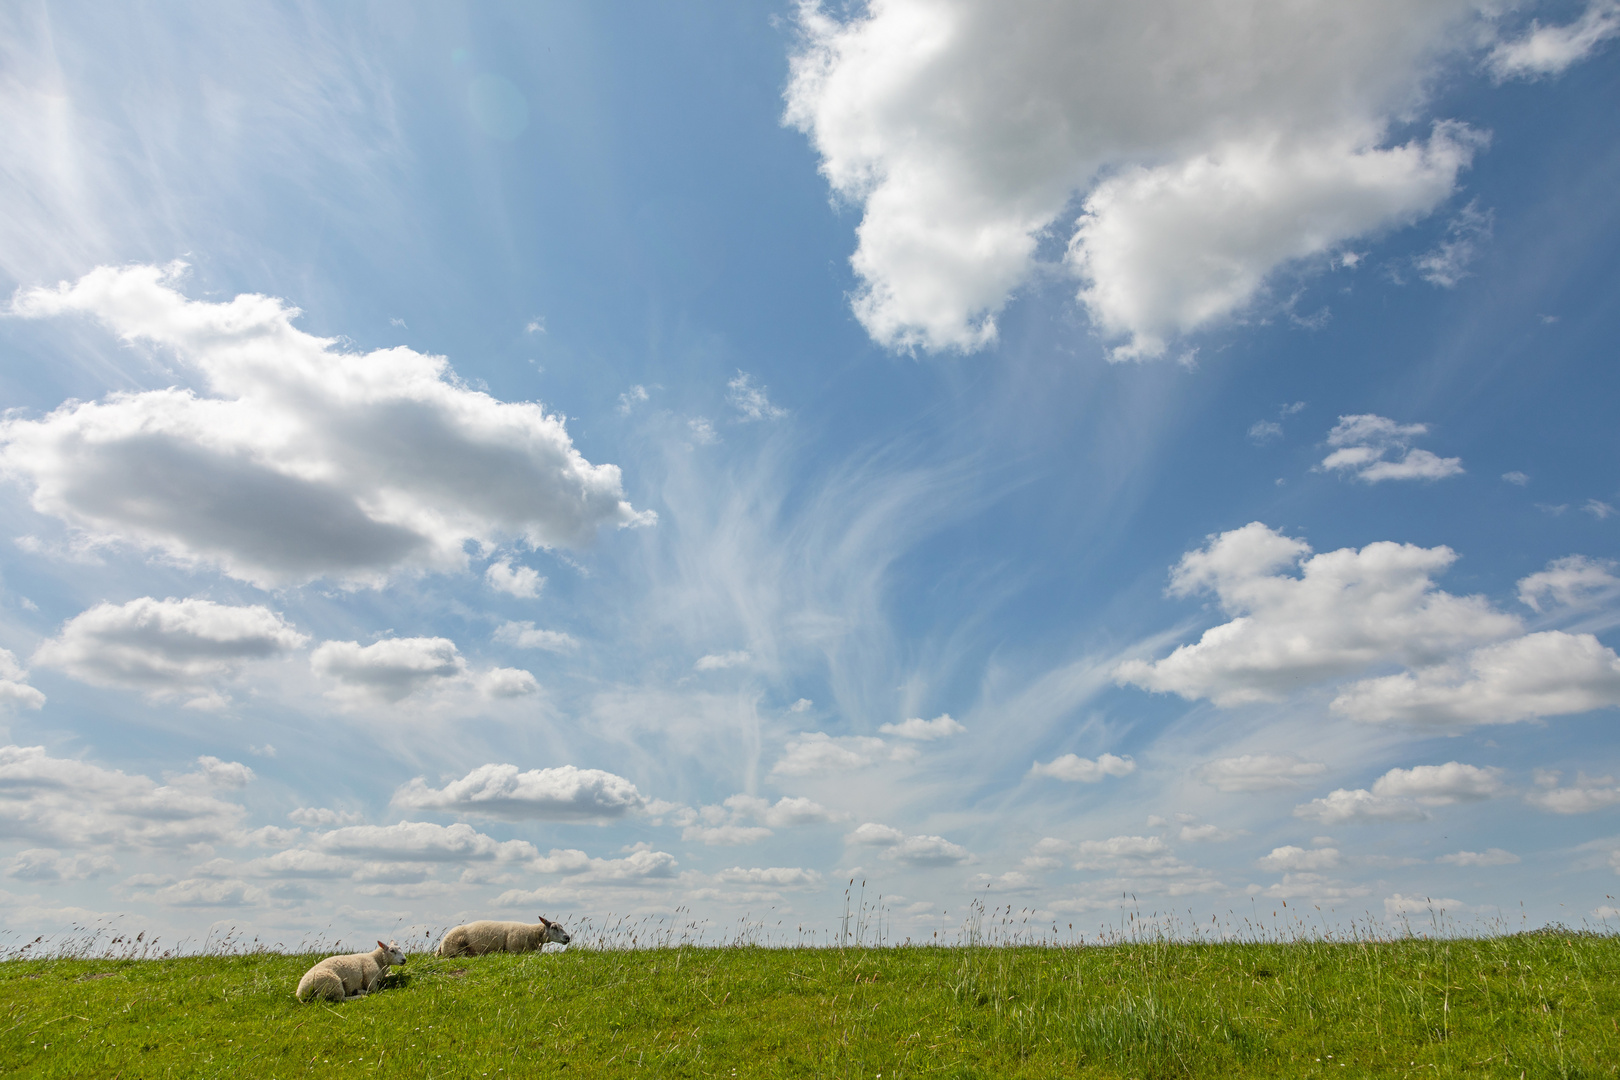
683	462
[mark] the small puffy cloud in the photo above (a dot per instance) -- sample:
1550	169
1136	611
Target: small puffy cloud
1588	793
1398	906
63	801
202	892
813	752
524	582
722	661
1258	772
14	689
321	817
724	835
940	727
1103	854
1516	478
1360	805
395	668
751	401
1599	509
1548	50
1364	441
1297	858
421	841
565	793
786	812
1545	674
779	877
1571	581
48	864
1204	833
226	774
525	636
912	850
702	432
1264	431
804	704
1446	264
1490	857
1440	785
167	646
1076	769
1346	611
631	398
640	865
299	460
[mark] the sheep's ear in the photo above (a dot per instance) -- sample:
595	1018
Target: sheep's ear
380	945
544	921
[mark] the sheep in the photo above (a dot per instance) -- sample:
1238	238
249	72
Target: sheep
344	978
487	936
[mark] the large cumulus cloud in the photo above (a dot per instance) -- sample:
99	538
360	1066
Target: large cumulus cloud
298	458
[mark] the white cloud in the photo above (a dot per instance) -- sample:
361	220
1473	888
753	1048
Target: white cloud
1165	250
1570	581
1490	857
321	817
1076	769
1343	806
1440	785
779	877
1263	431
1364	440
304	460
525	636
639	865
522	581
912	850
804	704
703	433
1103	854
940	727
1588	793
14	689
1398	906
1211	146
1599	509
216	773
1204	834
565	793
167	646
722	661
1348	610
750	401
48	864
1516	478
786	812
812	752
1548	50
421	841
1258	772
630	398
1447	263
395	668
1298	858
725	835
1545	674
63	801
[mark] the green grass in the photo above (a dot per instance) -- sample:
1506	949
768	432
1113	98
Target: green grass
1535	1005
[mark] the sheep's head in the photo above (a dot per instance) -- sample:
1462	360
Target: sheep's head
554	931
395	954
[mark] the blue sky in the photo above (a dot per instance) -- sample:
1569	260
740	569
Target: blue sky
584	459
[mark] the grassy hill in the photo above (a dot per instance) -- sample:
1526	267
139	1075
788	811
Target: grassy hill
1534	1005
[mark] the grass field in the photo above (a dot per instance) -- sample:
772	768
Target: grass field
1533	1005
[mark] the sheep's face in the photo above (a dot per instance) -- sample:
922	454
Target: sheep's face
554	931
395	955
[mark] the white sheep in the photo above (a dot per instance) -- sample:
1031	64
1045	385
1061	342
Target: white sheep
344	978
487	936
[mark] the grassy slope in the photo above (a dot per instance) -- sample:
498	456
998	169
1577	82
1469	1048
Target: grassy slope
1541	1005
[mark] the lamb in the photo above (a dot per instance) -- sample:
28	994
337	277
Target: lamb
487	936
344	978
